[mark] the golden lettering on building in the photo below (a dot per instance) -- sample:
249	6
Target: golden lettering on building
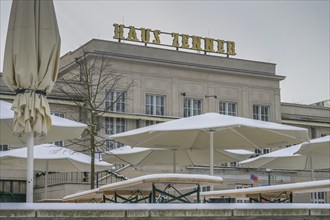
175	42
145	35
221	49
132	34
184	41
119	32
156	37
196	43
209	45
231	48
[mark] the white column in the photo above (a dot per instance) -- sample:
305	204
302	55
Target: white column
46	181
29	169
211	153
174	161
211	156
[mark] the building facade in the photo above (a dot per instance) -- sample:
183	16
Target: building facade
168	84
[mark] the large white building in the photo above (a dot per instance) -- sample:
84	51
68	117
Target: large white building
167	84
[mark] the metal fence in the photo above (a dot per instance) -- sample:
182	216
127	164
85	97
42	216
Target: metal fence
75	177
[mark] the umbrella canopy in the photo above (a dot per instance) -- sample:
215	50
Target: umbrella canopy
316	147
49	157
292	159
139	156
213	130
229	133
59	159
31	60
61	128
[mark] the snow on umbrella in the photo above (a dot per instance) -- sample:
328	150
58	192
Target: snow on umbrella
31	61
50	158
306	156
139	156
61	128
213	130
318	146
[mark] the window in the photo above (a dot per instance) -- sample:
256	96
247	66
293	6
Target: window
228	108
262	151
13	186
149	122
61	115
115	101
114	126
155	105
230	164
261	112
192	107
319	197
265	150
4	147
59	143
243	186
111	144
206	188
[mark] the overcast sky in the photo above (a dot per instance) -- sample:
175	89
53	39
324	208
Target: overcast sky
292	34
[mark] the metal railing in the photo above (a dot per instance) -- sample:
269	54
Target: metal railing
103	178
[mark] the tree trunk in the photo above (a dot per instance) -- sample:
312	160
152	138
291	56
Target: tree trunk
92	143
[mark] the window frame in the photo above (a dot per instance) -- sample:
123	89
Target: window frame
260	114
189	109
154	107
114	125
59	143
115	101
227	107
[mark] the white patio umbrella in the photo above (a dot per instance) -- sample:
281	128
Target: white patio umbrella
306	156
31	61
50	158
139	156
61	128
213	130
316	147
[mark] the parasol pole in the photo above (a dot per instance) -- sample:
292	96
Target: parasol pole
211	155
29	171
312	169
313	178
46	180
211	152
174	161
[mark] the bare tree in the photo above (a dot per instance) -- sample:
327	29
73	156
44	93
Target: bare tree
89	85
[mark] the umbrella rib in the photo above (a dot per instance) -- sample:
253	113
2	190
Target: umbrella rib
138	164
199	134
245	138
70	160
22	142
226	154
307	163
286	135
115	155
191	161
141	143
266	163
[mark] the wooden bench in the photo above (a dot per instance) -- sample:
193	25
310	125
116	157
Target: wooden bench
154	188
271	194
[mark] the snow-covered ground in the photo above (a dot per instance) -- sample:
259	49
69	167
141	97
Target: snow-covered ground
147	206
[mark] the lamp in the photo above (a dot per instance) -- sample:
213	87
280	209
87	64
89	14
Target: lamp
268	171
208	96
183	93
